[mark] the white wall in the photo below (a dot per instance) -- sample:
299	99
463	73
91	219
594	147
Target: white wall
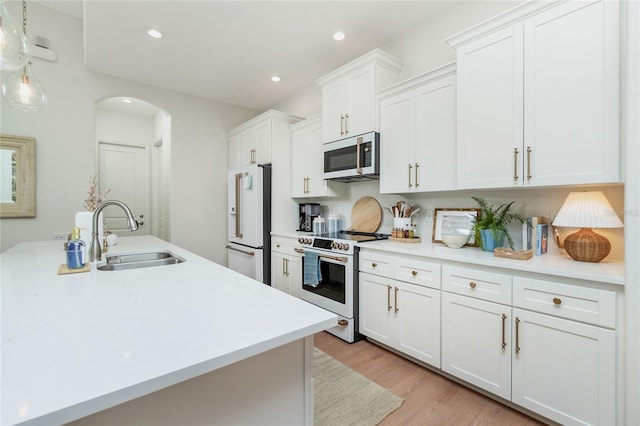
66	149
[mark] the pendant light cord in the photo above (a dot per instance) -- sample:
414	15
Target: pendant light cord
24	17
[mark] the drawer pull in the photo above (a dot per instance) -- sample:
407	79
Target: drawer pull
472	284
395	295
388	298
414	273
278	245
517	335
343	322
374	264
557	300
504	322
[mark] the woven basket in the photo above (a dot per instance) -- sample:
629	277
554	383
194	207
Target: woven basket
587	246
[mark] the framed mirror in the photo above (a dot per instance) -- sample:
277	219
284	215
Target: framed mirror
17	176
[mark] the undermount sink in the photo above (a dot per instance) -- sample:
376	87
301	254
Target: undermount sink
119	262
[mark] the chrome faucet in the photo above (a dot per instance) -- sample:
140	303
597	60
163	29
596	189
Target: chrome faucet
96	248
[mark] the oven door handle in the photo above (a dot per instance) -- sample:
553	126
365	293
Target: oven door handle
337	258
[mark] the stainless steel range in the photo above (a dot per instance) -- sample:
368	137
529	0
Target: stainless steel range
336	288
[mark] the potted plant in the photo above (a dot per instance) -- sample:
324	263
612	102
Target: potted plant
491	226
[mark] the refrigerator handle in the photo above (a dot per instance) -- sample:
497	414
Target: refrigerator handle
238	186
248	253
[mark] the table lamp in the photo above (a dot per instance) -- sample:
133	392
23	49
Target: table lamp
586	210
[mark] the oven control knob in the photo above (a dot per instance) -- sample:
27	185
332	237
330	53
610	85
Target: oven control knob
309	241
300	240
335	245
346	247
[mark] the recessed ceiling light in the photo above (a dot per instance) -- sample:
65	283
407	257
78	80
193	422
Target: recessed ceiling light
152	32
275	78
127	101
339	36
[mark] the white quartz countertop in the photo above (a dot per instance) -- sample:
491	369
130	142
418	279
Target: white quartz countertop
606	271
76	344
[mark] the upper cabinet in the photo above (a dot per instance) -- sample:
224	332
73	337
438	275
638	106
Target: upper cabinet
306	161
538	96
349	94
417	133
254	141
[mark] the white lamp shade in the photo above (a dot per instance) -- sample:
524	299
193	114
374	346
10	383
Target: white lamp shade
589	209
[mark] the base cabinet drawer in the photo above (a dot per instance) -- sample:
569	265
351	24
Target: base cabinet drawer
489	286
564	370
590	305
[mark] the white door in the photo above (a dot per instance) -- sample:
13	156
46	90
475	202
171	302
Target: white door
476	342
396	144
563	369
245	223
376	308
124	170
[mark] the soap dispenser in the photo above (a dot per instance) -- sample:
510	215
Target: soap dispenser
76	253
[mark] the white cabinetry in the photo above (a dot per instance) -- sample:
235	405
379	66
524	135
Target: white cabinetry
286	264
532	350
403	314
349	94
476	329
267	139
417	133
306	161
538	97
564	369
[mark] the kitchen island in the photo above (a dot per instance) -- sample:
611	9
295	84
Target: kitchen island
191	343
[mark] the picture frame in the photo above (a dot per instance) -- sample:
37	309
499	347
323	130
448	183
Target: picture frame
454	221
17	176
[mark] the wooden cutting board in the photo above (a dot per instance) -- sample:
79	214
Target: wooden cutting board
366	215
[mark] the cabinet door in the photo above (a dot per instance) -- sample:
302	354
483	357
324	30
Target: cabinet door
417	322
300	164
435	136
571	94
376	310
490	108
361	102
334	107
396	144
279	278
564	370
262	143
294	273
476	342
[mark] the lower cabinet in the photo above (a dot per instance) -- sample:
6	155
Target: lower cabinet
476	342
286	266
400	315
563	370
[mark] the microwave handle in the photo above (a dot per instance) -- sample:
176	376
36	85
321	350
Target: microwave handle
358	167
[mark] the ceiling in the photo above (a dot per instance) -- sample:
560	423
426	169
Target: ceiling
228	50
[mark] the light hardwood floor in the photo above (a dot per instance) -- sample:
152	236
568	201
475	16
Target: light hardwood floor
429	398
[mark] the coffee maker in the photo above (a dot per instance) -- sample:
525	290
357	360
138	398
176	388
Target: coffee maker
308	212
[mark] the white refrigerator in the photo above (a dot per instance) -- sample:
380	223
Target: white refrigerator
249	221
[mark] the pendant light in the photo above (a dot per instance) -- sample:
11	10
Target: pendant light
14	48
21	88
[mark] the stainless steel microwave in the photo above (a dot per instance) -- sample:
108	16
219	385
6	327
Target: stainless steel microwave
353	158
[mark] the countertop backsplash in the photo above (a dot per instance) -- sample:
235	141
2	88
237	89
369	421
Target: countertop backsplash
528	201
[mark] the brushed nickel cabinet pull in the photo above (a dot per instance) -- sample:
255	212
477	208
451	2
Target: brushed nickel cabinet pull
417	183
414	273
517	335
343	322
342	125
278	245
346	124
472	284
557	300
515	164
388	297
504	321
395	299
410	167
253	156
528	163
287	260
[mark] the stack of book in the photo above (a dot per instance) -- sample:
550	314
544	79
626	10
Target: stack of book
535	235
